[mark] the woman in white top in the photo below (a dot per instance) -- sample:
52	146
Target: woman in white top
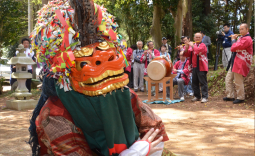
29	53
163	52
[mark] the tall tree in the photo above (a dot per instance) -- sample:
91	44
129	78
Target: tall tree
207	7
134	18
178	15
249	13
12	22
187	24
156	24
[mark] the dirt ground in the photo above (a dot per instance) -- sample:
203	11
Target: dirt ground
216	128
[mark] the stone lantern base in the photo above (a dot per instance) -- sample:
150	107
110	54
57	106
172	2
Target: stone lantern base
21	104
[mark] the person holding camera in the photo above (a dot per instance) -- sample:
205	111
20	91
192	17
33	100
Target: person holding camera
239	65
138	67
226	53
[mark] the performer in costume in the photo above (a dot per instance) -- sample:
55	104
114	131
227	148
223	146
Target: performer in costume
200	67
239	65
85	108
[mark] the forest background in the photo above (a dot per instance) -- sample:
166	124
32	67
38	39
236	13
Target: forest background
140	20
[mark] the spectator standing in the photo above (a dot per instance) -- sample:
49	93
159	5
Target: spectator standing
163	52
239	65
226	53
207	41
179	49
138	67
129	69
168	47
188	88
147	57
29	53
200	67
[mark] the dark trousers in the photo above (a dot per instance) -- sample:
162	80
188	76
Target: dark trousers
130	77
199	77
29	81
13	80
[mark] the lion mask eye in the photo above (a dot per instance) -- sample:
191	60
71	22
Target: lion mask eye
80	65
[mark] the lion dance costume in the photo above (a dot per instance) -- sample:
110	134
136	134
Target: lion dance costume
85	108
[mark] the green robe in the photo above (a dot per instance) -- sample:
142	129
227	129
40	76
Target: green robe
108	122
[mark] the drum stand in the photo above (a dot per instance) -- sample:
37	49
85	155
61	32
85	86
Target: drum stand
156	84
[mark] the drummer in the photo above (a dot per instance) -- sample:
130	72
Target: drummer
163	52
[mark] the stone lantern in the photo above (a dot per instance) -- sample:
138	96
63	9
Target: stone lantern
21	94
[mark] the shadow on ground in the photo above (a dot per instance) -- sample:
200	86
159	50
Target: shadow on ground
216	128
14	133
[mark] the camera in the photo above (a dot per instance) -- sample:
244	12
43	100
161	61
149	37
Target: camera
220	35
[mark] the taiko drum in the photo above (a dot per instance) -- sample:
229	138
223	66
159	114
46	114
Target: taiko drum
159	68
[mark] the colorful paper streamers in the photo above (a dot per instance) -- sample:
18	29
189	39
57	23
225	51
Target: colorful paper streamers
54	38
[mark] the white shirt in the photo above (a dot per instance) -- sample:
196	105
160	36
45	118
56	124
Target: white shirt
28	54
141	148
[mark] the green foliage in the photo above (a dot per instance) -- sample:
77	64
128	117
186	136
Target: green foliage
1	84
11	50
37	2
134	18
3	61
12	21
203	22
171	5
168	30
216	82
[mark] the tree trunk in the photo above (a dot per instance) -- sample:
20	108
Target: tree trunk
187	26
178	19
30	17
129	37
207	7
249	12
44	2
181	12
156	25
30	28
235	15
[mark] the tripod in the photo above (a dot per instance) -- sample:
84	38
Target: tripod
219	42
